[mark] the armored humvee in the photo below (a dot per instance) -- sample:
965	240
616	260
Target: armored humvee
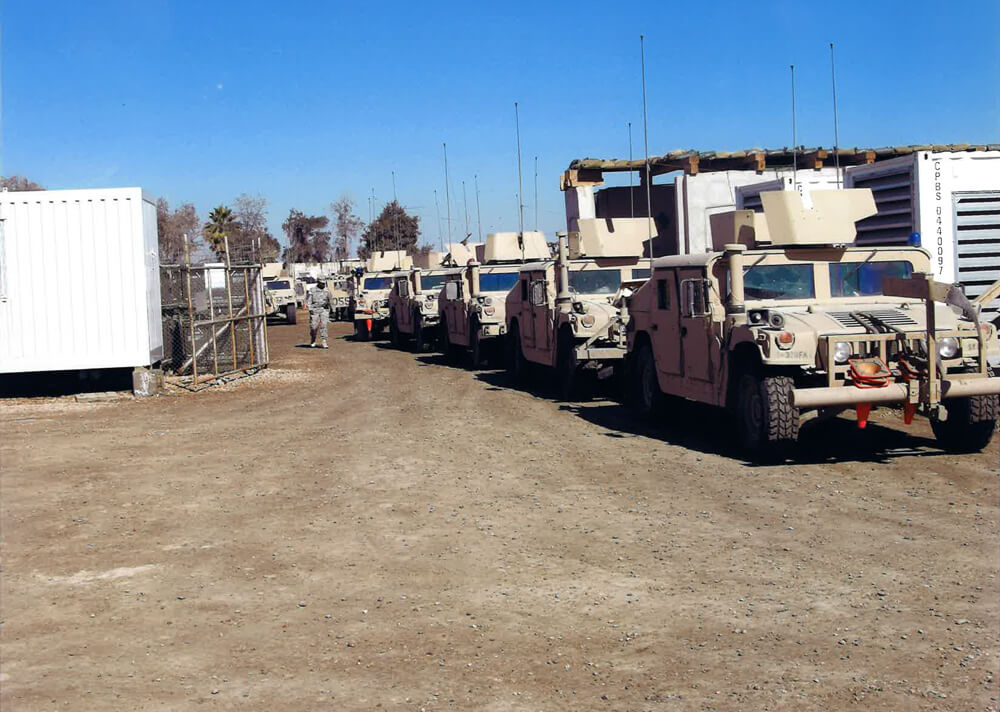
788	317
340	287
566	314
472	303
369	307
279	292
413	309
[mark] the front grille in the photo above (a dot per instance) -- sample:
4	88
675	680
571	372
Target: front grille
845	319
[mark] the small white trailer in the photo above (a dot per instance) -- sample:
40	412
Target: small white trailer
79	280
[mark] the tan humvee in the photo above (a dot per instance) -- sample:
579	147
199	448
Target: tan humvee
789	317
566	314
472	303
340	287
413	306
279	292
369	305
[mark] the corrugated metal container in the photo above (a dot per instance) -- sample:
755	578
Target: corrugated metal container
79	280
951	199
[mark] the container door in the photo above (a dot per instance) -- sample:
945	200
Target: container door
665	324
695	325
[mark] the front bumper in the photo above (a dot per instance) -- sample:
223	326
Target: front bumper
907	392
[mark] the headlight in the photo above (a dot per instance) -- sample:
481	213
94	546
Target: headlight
947	347
587	320
487	300
841	351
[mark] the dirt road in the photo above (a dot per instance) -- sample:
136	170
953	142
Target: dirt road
365	528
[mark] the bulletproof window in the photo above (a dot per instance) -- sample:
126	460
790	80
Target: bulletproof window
640	273
662	294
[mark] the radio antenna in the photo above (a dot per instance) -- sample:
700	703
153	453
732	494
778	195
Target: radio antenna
795	157
536	193
437	209
631	178
836	128
520	191
447	193
479	215
465	200
395	220
645	135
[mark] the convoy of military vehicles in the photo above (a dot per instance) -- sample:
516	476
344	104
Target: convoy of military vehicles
776	313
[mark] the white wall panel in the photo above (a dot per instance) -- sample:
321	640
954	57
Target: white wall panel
83	287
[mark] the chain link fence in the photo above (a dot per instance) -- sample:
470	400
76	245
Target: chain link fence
213	315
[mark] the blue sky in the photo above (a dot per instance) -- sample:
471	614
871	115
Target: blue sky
302	101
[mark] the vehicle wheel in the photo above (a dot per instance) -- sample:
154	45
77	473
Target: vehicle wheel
769	423
361	332
567	373
394	332
475	345
419	340
970	424
517	365
290	315
645	394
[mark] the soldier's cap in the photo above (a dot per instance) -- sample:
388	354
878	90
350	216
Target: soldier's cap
321	283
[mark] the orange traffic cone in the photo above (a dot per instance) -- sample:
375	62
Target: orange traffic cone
909	410
368	322
863	409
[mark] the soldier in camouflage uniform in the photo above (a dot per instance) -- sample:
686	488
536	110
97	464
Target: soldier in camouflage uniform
319	303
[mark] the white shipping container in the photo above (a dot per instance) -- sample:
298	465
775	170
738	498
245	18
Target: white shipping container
79	280
950	199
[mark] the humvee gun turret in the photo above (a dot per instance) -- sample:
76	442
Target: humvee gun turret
413	311
566	314
472	304
279	292
369	306
789	317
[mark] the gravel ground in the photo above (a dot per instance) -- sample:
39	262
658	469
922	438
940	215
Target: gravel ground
362	527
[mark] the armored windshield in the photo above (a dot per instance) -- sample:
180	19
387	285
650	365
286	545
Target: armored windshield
431	282
864	279
779	282
497	281
278	285
598	281
377	283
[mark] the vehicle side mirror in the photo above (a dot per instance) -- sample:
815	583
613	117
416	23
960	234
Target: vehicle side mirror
451	290
539	295
694	298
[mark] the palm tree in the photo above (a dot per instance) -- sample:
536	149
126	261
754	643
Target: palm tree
221	224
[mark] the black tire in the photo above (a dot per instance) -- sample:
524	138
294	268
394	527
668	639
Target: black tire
970	424
644	392
290	315
567	368
475	345
517	364
394	335
361	331
768	422
419	338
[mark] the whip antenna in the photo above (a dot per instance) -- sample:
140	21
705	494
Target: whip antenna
631	178
645	135
520	192
836	131
447	192
795	157
479	215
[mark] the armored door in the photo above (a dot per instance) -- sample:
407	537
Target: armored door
665	323
695	325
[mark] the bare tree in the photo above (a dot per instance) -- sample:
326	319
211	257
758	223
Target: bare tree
346	226
251	229
171	228
15	183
